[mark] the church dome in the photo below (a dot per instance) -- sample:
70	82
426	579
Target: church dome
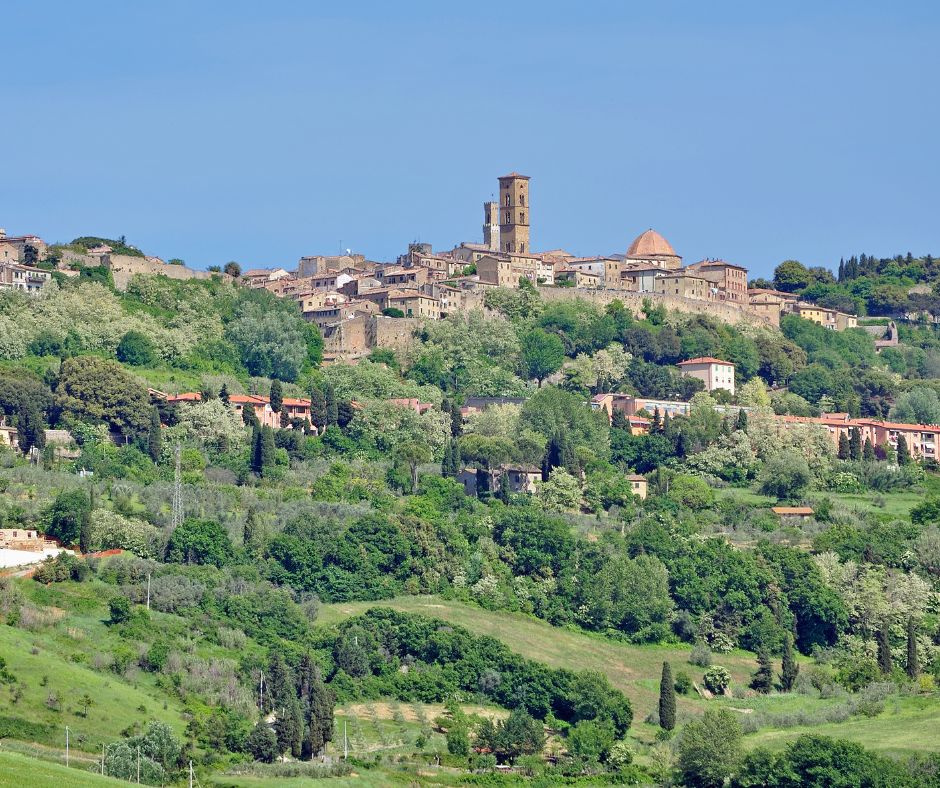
650	244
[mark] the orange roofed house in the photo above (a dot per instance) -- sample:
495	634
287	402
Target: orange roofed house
922	440
713	372
296	408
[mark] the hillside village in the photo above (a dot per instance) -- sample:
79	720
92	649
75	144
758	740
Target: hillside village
486	513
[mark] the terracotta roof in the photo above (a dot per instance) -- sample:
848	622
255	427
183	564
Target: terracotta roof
513	175
636	477
791	510
649	244
703	360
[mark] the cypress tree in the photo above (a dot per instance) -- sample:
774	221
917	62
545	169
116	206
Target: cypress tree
84	534
680	445
249	417
317	407
503	493
845	452
855	443
741	423
223	394
789	669
763	679
912	667
279	682
319	728
155	436
289	727
456	419
904	454
448	461
29	427
455	460
667	699
619	421
656	424
332	408
884	649
268	448
868	453
276	396
251	531
256	454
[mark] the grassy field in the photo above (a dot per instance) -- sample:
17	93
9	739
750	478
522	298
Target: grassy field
20	770
633	669
906	725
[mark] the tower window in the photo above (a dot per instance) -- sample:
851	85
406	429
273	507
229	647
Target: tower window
521	217
507	198
521	199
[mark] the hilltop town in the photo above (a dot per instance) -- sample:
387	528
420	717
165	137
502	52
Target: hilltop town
350	298
483	513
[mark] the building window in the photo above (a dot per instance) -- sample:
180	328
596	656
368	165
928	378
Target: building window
521	217
521	199
507	199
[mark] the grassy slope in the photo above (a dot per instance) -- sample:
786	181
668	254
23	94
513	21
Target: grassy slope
907	725
633	669
20	770
56	658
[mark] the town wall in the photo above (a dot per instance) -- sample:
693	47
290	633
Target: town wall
723	310
124	267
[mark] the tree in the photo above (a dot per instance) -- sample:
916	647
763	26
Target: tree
716	679
136	349
559	453
412	455
741	421
155	436
912	667
276	396
667	699
868	452
709	749
786	475
789	668
920	405
233	269
119	609
30	255
542	354
519	734
317	408
262	743
224	395
289	726
855	443
97	390
30	427
790	276
590	741
763	679
200	542
66	516
845	451
332	409
884	649
904	453
320	703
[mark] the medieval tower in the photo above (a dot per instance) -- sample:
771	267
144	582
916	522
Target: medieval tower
491	226
514	213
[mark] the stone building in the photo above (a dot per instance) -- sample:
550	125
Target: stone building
728	279
491	226
651	248
683	285
514	213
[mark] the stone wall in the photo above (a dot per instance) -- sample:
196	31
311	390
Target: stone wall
396	333
123	267
723	310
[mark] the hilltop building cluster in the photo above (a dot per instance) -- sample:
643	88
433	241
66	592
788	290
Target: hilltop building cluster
360	304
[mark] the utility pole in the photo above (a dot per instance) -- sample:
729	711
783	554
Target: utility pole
190	774
138	765
66	745
345	743
261	694
178	489
103	746
148	590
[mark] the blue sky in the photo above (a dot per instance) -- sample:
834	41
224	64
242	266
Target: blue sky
260	132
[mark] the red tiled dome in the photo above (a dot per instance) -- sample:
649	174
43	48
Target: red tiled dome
651	244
